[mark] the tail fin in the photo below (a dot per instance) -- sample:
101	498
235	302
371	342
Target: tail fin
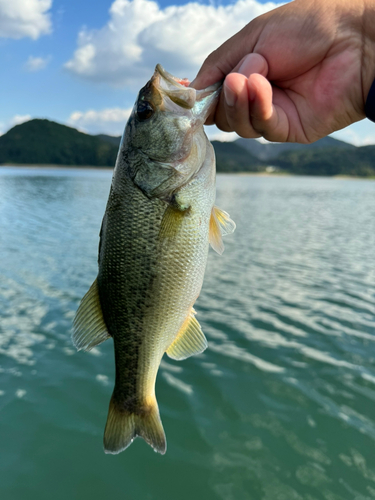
123	427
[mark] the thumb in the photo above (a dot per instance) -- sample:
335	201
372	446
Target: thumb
223	60
226	112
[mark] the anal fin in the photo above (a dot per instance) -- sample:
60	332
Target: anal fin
189	341
89	328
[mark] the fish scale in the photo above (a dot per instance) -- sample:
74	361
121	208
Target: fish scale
159	220
126	271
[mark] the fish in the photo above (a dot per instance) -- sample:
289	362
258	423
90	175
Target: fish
154	240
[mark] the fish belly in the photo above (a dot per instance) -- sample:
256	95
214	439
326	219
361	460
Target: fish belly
151	267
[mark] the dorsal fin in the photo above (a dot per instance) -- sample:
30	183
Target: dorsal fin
189	341
89	328
220	225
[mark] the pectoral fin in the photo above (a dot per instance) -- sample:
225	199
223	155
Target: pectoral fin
190	340
171	222
220	225
89	328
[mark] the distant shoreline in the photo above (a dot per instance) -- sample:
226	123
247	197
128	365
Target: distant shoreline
56	167
245	174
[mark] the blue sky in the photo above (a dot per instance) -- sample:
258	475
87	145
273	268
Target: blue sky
81	62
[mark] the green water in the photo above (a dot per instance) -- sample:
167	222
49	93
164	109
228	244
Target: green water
281	406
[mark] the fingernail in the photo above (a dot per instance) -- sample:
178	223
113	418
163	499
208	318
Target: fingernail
246	66
230	96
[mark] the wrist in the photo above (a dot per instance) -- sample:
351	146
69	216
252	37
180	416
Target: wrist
368	48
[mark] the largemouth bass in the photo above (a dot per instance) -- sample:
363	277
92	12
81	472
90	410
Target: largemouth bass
156	230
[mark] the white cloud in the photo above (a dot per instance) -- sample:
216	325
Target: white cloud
25	18
140	34
214	134
16	120
108	121
360	134
34	64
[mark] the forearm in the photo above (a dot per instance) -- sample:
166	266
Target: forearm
368	51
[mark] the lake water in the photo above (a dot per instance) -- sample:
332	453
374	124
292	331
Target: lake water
281	406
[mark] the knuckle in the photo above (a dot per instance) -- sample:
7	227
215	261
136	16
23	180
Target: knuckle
224	127
248	134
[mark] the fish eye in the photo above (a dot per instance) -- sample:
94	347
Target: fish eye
144	110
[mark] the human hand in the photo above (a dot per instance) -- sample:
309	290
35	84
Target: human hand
297	73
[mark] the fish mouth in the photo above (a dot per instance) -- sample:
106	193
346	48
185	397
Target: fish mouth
180	82
200	102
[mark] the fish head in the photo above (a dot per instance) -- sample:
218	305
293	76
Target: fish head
167	121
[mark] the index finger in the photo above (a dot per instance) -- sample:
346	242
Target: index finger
248	65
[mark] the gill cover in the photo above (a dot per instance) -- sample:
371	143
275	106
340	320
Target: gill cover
164	143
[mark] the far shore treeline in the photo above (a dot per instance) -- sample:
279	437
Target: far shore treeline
43	142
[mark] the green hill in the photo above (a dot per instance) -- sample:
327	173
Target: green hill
110	138
45	142
331	161
230	156
269	151
233	158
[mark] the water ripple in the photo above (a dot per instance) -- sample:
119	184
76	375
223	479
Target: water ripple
280	405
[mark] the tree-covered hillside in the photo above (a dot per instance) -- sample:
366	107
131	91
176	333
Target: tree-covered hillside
45	142
233	158
356	162
270	150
